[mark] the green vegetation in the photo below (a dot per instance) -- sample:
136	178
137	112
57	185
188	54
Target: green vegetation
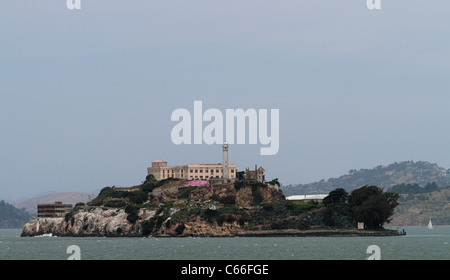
111	197
115	203
151	183
406	172
414	188
257	196
11	217
268	215
337	212
287	215
180	229
255	207
368	204
132	212
274	182
248	182
228	200
184	193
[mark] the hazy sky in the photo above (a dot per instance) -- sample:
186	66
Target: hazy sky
87	95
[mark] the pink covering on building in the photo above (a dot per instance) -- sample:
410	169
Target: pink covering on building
196	183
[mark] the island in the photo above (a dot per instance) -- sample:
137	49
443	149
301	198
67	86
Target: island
175	207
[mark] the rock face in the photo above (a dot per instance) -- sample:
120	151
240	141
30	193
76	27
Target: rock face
225	210
195	216
114	223
89	222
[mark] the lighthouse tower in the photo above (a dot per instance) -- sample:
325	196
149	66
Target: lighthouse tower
226	173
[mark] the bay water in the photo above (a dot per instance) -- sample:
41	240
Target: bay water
419	243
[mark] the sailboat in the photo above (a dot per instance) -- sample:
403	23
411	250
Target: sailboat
430	225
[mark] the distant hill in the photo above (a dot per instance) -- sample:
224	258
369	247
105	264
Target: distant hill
66	197
406	172
11	217
418	209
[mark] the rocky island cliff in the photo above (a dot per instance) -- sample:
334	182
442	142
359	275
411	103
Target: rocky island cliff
176	207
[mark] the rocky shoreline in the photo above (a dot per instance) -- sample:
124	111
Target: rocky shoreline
98	222
170	209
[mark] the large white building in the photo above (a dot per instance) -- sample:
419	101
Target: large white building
160	170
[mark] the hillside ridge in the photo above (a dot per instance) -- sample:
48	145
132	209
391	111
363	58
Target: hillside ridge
404	172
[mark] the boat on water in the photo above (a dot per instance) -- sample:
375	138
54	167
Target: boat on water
45	235
430	225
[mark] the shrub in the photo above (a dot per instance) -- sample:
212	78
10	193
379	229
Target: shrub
168	204
248	182
210	215
138	197
147	226
274	182
109	192
244	219
220	219
257	196
132	212
131	209
116	203
231	199
185	192
169	224
132	218
215	197
180	229
67	217
159	222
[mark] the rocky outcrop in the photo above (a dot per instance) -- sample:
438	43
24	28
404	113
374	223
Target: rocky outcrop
84	222
193	219
114	223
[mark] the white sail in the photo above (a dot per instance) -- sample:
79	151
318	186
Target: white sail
430	225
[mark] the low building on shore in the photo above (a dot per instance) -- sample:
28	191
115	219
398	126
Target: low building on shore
56	210
307	197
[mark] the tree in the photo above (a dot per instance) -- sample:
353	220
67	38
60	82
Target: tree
11	217
369	204
431	187
337	211
339	195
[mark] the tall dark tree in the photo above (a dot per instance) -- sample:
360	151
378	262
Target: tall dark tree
339	195
337	210
369	204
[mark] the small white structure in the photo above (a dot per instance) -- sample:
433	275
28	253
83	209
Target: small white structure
307	197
